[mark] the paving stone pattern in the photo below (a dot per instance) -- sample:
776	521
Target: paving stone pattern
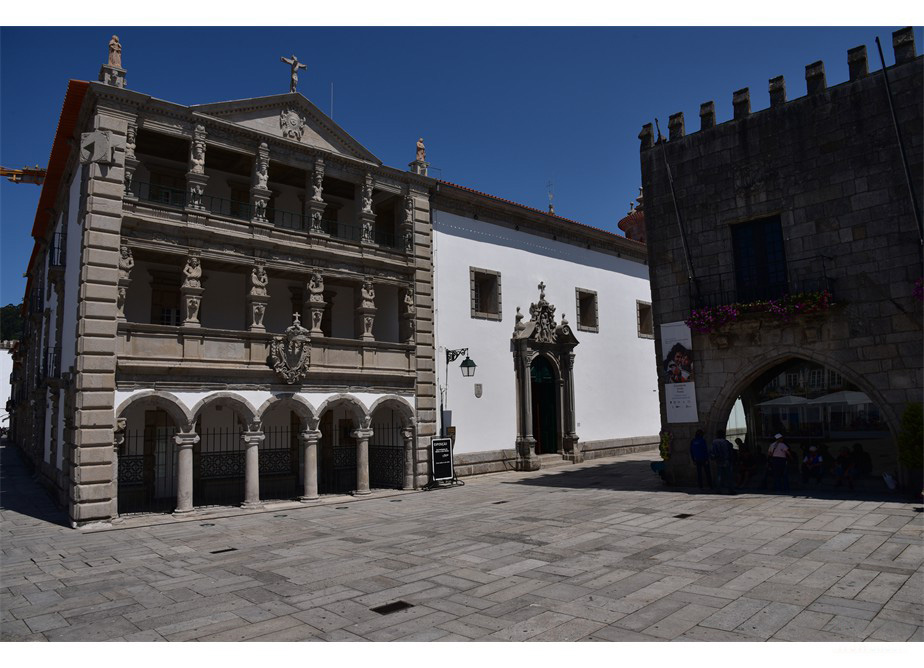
589	552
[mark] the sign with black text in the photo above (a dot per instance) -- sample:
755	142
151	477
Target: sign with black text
441	458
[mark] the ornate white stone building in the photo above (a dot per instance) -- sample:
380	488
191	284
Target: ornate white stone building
232	303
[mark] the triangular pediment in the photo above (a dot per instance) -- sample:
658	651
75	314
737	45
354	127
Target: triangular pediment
291	116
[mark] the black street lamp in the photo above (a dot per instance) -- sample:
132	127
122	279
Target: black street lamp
467	366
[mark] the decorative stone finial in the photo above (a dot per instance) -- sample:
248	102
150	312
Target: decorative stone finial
111	73
420	164
115	52
296	66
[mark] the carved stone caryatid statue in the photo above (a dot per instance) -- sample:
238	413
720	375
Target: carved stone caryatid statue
258	297
262	173
316	303
409	315
366	215
365	313
115	52
317	185
197	155
258	281
130	138
296	66
192	290
192	273
126	263
131	162
407	226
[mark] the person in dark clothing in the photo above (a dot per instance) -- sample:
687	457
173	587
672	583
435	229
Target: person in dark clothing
862	463
699	453
745	463
722	452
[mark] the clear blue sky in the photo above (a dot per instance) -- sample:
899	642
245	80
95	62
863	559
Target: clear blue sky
502	110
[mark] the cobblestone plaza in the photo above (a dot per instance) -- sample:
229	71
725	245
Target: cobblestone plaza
598	551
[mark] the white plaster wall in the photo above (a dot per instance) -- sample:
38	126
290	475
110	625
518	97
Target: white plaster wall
71	276
615	385
223	302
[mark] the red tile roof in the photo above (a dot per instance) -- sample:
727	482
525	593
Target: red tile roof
523	206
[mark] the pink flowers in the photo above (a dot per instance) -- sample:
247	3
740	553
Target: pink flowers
711	318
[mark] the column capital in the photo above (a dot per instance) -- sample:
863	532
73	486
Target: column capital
363	433
253	438
310	436
186	439
407	432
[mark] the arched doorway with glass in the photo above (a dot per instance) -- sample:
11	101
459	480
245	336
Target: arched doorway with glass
837	435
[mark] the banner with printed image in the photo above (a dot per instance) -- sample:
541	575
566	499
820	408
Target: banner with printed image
677	373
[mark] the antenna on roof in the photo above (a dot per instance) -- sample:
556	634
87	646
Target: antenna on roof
551	188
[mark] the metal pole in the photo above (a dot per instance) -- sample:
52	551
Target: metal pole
901	147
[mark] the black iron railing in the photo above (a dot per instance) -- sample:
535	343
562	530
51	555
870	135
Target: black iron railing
56	253
716	293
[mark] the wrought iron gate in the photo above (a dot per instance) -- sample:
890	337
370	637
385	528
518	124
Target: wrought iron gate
386	457
147	471
218	468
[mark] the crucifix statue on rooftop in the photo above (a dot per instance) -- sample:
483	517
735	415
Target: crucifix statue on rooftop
296	66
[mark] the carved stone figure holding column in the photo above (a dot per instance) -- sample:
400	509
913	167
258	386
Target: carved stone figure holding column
367	293
192	273
316	287
197	157
258	281
126	262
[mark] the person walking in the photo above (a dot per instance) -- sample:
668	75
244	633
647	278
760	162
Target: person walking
778	454
722	454
699	453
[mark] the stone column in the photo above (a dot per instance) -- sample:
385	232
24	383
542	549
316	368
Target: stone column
314	206
260	192
252	440
365	312
408	435
526	443
362	437
310	440
118	441
196	179
570	446
366	216
185	441
408	315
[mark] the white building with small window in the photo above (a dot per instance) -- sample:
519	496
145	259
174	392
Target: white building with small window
589	392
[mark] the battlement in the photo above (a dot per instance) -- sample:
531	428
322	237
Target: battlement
815	83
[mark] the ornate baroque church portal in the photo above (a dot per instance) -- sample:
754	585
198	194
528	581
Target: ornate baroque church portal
543	358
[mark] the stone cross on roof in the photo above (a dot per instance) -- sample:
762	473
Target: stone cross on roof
296	66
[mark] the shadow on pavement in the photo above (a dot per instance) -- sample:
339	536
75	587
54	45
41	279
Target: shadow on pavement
637	476
20	493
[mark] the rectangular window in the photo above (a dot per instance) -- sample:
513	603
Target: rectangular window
834	379
645	320
586	307
240	202
485	293
165	299
760	263
816	378
168	189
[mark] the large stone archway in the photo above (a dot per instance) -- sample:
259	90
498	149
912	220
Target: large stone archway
555	343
